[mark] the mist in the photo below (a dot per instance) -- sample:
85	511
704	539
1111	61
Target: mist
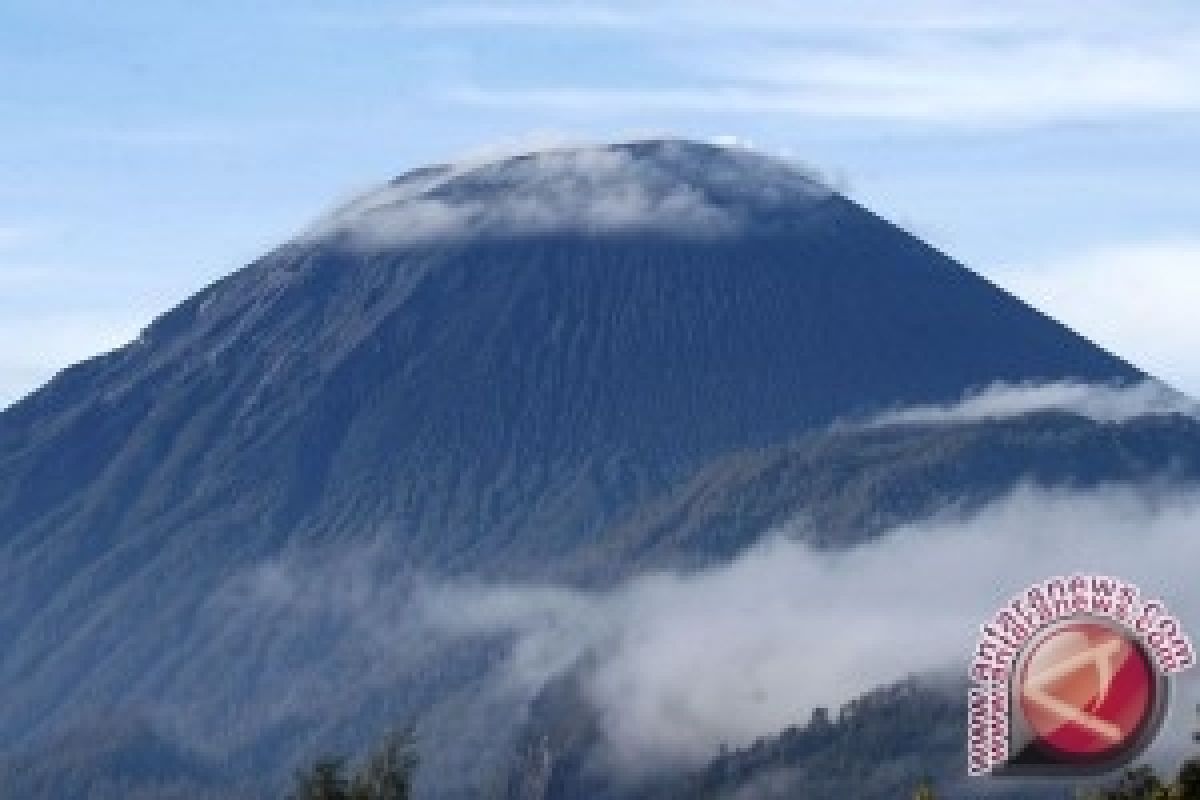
677	664
685	663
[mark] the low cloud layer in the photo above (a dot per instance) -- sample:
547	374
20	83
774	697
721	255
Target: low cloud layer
678	664
687	662
1101	403
592	189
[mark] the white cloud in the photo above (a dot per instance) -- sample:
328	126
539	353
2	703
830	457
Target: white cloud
629	16
967	84
1003	401
687	662
591	188
732	140
471	15
976	82
677	664
1137	300
949	63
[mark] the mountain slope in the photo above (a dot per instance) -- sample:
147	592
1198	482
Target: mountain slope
850	484
881	746
486	365
340	379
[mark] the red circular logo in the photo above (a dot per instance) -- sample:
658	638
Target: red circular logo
1087	690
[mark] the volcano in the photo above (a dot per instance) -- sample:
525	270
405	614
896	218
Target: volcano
489	368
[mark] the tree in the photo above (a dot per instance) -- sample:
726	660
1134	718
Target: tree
386	774
1140	783
325	780
1187	784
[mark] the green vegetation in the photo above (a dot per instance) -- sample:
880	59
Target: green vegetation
924	792
1143	783
385	775
877	747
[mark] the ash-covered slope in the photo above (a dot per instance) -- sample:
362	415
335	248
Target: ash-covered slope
484	364
593	318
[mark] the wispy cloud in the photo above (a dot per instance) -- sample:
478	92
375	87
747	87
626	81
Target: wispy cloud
968	84
678	663
1005	401
594	189
473	15
674	16
785	628
955	64
685	663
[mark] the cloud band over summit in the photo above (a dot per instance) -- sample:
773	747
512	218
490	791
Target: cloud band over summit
588	189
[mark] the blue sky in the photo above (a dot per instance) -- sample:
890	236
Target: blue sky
150	147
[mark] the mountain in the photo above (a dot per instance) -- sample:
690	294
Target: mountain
515	369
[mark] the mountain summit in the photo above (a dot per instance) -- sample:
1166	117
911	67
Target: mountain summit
671	186
591	320
484	365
